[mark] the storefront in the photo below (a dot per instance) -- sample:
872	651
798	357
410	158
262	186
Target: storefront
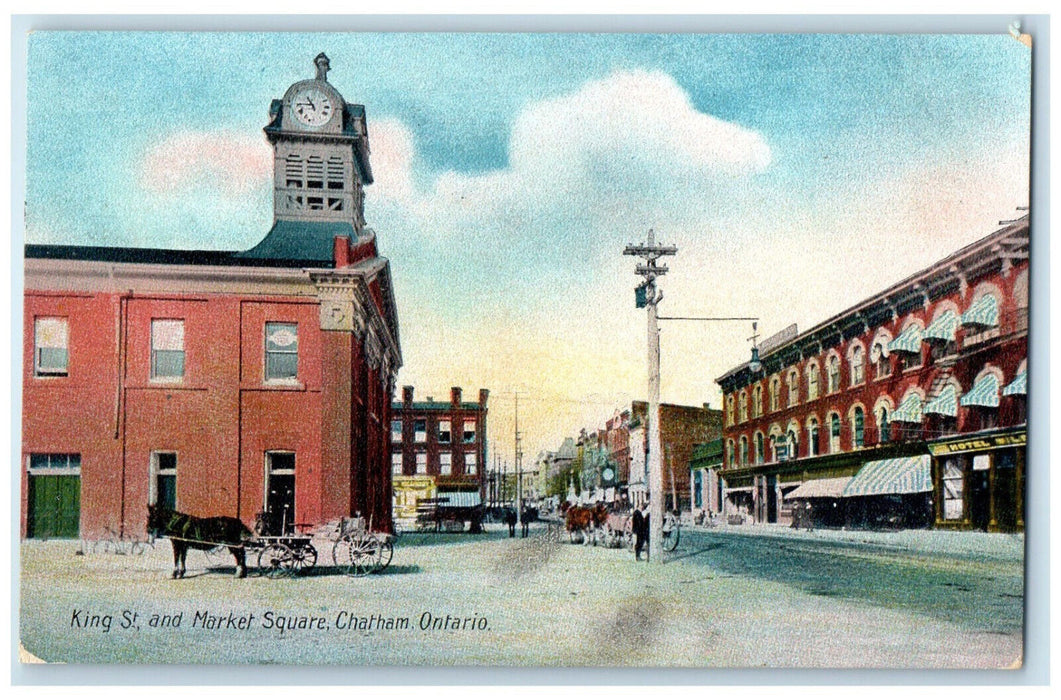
978	480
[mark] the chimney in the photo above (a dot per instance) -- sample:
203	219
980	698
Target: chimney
407	396
484	394
341	251
455	396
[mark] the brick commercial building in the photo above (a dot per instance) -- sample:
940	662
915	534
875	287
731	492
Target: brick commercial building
438	450
907	409
220	382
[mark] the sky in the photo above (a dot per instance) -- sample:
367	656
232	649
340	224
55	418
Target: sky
796	174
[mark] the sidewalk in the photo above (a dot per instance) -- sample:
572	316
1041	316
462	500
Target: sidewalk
978	545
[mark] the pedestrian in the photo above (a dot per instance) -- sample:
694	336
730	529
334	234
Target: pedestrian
640	528
525	521
510	520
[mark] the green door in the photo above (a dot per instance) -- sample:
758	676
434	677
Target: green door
54	506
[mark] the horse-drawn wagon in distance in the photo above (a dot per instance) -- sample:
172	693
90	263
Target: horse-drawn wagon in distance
282	549
451	512
600	525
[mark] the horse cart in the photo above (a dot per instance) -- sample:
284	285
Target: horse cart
284	549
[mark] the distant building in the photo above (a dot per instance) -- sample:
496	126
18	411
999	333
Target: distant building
907	409
438	450
704	484
219	382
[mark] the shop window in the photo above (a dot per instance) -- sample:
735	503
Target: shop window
953	489
281	352
50	352
167	349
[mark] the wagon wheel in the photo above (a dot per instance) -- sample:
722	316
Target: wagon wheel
386	553
276	560
364	553
341	553
305	557
670	538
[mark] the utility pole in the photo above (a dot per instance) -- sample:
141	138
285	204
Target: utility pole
519	471
647	296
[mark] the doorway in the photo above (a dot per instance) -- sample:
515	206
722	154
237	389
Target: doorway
280	492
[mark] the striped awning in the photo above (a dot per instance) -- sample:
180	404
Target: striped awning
1019	385
943	327
945	403
983	312
983	393
820	488
909	410
892	476
908	341
460	499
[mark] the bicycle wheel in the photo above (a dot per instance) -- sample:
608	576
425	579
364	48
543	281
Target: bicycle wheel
670	539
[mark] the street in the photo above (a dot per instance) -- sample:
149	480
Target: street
726	598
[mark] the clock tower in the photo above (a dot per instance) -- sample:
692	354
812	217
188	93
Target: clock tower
320	154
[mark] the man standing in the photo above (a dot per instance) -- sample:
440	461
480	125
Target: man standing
640	528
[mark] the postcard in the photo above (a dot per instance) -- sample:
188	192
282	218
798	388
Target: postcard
639	350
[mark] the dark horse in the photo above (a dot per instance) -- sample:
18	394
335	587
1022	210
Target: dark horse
186	531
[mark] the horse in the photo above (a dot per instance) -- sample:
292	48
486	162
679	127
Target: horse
188	531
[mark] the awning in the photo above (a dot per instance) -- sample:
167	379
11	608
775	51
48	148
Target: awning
943	327
945	403
908	341
1019	385
737	489
909	410
983	312
460	499
820	488
983	393
892	476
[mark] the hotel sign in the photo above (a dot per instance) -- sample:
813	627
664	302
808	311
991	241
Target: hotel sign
978	444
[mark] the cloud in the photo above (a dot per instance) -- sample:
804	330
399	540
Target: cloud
233	164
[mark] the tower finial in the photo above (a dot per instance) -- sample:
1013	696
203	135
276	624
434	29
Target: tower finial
321	61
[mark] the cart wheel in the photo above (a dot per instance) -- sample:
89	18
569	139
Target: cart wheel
364	555
305	557
276	560
670	539
341	553
386	553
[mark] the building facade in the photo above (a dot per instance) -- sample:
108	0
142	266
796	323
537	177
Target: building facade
907	409
704	483
219	382
438	450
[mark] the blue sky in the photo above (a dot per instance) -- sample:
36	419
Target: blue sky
511	169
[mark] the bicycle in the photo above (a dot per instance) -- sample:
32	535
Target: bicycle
113	543
672	532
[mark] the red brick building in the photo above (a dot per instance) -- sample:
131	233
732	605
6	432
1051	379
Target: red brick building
220	382
438	449
909	408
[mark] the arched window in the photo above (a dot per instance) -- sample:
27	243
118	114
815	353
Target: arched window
744	450
812	438
834	374
882	365
793	387
834	433
757	401
759	448
882	424
742	406
729	454
858	367
813	381
775	394
729	410
858	420
793	444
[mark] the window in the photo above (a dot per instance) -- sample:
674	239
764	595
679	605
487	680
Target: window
775	394
445	463
444	432
883	425
834	433
743	407
420	430
759	448
813	380
51	342
162	488
883	365
953	479
729	410
281	352
55	463
792	444
469	431
757	402
729	453
471	463
396	431
812	438
793	387
834	374
859	424
421	463
743	450
396	463
858	368
167	349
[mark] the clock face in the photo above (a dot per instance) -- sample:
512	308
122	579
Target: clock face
312	107
608	474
